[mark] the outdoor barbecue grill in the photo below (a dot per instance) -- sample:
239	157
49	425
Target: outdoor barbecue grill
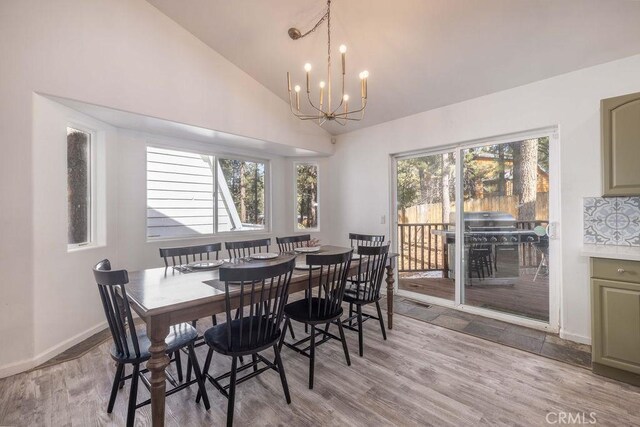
492	247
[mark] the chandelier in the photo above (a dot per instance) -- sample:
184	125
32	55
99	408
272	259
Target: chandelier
324	110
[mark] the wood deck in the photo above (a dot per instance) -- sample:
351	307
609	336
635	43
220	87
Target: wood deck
525	298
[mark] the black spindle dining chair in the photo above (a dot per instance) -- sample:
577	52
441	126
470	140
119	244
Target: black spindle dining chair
365	240
373	260
290	243
246	248
263	293
184	255
480	260
131	346
358	240
324	308
187	254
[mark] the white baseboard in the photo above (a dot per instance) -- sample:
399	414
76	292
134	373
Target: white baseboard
575	337
26	364
16	368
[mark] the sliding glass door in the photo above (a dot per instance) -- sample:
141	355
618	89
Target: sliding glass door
472	226
505	214
426	195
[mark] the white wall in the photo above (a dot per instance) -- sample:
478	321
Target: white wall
66	305
360	167
123	54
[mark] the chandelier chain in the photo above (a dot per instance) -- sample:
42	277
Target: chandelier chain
329	33
315	27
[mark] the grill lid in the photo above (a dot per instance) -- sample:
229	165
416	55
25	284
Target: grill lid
489	220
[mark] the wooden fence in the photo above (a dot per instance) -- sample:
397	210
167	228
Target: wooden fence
431	213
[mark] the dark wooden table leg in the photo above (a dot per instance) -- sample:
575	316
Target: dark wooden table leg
390	280
157	331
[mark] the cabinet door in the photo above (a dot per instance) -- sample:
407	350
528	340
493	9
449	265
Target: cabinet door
616	324
621	145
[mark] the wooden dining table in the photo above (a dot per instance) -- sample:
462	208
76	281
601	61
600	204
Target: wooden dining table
166	296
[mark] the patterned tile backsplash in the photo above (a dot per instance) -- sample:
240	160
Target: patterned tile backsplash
612	221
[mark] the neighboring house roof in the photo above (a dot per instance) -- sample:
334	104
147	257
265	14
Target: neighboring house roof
180	196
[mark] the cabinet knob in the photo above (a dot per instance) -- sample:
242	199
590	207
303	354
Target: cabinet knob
620	270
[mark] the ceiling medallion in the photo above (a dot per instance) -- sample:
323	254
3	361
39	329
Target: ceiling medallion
323	112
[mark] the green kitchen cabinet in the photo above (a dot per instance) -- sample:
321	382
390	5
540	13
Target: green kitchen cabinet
615	301
620	127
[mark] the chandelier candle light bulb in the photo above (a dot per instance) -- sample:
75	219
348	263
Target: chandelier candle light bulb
324	111
297	89
343	51
307	68
363	84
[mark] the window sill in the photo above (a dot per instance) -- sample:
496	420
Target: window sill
80	248
307	230
218	236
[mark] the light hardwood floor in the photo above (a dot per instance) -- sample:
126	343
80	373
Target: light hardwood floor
423	375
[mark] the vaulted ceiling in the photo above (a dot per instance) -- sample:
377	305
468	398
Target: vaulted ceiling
421	54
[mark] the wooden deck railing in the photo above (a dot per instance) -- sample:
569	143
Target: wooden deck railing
423	251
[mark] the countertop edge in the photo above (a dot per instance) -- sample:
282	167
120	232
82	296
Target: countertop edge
627	253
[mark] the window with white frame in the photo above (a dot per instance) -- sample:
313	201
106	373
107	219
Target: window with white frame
192	194
306	196
79	188
241	182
